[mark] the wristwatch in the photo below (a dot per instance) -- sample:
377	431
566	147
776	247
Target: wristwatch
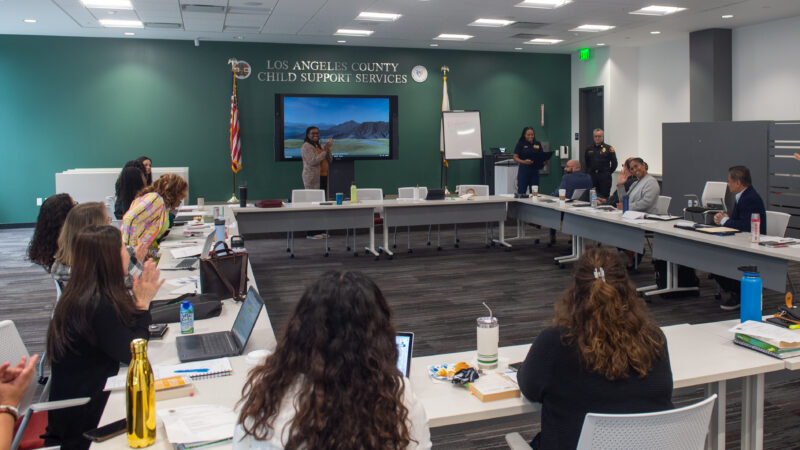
8	409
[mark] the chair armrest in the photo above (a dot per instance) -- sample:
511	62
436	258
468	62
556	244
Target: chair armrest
516	442
59	404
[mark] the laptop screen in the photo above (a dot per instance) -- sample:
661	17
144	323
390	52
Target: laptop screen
405	343
246	319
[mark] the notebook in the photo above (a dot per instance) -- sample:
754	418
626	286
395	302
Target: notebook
405	345
197	347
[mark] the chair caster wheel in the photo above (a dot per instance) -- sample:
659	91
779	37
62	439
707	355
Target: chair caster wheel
648	299
394	246
291	256
410	250
325	254
380	251
717	297
288	250
439	248
355	253
556	263
377	258
455	245
536	241
458	240
348	248
560	266
391	257
429	244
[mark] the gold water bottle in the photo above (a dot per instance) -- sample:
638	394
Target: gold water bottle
140	397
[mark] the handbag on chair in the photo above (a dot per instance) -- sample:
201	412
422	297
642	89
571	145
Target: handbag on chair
224	273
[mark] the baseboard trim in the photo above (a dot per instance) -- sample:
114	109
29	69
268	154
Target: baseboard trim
6	226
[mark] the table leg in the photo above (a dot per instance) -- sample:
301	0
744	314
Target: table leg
672	283
716	430
385	247
753	413
577	251
501	234
371	247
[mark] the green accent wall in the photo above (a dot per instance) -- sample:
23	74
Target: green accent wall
89	102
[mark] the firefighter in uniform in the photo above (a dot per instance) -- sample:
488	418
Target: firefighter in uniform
601	162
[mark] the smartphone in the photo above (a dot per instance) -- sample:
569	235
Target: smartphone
516	366
107	431
157	330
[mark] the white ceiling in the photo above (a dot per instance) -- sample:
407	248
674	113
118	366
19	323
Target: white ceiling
315	21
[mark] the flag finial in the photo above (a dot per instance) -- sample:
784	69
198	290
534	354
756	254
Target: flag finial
445	69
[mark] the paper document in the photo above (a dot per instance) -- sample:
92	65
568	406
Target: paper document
186	252
198	423
767	332
633	215
181	243
208	367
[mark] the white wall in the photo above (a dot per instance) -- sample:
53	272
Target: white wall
766	71
622	113
663	95
588	73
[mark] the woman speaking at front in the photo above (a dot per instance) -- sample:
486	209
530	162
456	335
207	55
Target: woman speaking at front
528	173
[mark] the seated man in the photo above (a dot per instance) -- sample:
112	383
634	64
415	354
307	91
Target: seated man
573	179
748	202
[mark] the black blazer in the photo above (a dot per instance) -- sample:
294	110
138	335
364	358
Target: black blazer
749	203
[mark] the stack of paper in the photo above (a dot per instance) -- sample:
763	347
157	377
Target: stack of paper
198	425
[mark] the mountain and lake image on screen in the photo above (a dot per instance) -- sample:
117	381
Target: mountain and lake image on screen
359	126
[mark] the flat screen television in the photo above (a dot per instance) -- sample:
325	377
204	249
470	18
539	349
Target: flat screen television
361	126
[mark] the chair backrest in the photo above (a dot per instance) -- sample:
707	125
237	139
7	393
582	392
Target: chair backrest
369	194
12	349
307	195
683	428
477	189
662	206
713	192
777	223
408	192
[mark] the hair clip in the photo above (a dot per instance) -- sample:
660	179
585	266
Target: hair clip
599	273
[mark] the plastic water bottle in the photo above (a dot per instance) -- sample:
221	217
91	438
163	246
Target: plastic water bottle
353	198
219	230
625	204
750	297
755	228
187	317
594	198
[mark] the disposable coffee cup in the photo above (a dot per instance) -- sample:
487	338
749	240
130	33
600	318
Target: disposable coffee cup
201	202
535	190
488	331
562	194
339	198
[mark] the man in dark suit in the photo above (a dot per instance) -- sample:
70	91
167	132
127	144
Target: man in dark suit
573	179
748	202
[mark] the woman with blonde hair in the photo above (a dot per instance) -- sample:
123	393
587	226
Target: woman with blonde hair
604	354
147	219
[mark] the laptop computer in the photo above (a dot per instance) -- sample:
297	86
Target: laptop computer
405	345
199	347
189	263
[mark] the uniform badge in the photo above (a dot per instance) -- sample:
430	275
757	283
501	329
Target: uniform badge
611	149
604	149
535	146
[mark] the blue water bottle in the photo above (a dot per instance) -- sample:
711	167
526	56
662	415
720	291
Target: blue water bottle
187	317
750	298
625	204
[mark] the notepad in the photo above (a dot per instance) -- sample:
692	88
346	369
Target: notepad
198	423
219	367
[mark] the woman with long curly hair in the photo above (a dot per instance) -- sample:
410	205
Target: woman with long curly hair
147	219
44	243
333	381
605	354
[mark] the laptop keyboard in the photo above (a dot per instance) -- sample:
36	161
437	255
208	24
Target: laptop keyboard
186	263
217	344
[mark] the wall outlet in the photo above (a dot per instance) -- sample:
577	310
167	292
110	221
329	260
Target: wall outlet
38	201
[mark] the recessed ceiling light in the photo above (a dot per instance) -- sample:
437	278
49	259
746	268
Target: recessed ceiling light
656	10
453	37
491	23
107	4
728	16
432	45
593	28
341	42
517	48
543	4
544	41
118	23
129	33
378	17
601	44
655	32
29	20
238	38
351	32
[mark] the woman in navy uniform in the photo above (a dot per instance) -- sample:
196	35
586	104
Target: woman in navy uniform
528	174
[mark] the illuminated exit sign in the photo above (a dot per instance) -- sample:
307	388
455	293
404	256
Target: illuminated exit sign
583	54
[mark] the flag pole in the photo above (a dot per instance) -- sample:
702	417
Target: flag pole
445	98
233	62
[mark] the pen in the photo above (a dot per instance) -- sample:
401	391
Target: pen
192	371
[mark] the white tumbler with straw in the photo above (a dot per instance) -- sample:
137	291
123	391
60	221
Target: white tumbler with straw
488	339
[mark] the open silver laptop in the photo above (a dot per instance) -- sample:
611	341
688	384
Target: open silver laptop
197	347
189	263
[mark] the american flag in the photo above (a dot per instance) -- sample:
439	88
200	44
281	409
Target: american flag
236	143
